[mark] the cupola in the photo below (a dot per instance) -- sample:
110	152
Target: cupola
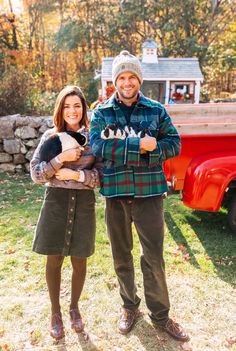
149	51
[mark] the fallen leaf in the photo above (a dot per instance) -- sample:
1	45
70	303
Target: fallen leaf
29	191
230	341
85	336
34	337
186	257
186	347
111	285
10	251
162	339
181	247
38	200
176	254
207	257
26	265
64	292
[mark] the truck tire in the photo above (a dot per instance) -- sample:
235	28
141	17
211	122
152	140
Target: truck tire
232	214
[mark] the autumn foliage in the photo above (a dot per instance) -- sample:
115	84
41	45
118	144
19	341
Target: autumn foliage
53	43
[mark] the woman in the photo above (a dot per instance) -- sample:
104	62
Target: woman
66	224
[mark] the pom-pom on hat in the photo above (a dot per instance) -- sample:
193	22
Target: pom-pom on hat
125	62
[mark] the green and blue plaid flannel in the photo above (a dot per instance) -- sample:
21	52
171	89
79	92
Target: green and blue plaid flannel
126	172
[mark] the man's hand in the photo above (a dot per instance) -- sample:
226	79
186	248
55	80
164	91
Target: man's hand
148	143
67	174
70	155
142	151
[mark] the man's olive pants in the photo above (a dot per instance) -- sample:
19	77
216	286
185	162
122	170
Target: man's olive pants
147	216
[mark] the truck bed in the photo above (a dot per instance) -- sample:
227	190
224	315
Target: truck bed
204	119
214	130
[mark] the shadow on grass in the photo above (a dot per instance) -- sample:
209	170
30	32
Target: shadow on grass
60	345
152	338
218	242
85	342
215	237
179	237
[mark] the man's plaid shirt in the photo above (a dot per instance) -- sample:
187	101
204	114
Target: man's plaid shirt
126	172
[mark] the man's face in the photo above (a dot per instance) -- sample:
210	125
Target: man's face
127	85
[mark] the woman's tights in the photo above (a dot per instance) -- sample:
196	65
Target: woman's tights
53	278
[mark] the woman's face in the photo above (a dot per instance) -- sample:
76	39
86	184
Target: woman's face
72	112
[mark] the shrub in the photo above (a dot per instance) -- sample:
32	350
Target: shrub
41	103
13	91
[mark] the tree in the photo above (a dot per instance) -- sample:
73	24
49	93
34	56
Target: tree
8	29
59	42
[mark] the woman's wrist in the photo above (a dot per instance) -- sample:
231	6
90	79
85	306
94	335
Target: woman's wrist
80	177
60	158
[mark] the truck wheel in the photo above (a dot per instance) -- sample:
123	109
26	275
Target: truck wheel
232	214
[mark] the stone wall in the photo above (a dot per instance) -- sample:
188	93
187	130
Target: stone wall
19	137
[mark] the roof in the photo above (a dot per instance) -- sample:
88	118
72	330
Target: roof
150	44
165	69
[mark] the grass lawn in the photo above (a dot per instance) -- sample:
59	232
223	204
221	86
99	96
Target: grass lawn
200	254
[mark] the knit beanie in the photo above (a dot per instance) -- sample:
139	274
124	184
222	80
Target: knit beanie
125	62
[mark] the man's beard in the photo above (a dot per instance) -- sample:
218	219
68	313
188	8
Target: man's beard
128	97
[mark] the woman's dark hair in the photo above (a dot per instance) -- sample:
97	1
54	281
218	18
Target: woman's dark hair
58	119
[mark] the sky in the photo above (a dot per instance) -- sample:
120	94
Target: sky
16	4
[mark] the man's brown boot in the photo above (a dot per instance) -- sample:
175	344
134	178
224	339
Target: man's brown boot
174	329
127	320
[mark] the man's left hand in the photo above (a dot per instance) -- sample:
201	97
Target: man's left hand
148	143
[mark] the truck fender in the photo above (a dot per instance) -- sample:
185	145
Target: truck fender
207	178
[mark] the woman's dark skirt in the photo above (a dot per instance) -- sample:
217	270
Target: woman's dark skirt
66	224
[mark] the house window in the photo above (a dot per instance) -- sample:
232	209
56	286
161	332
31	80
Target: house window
181	93
182	88
150	51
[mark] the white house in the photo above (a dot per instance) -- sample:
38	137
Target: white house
168	80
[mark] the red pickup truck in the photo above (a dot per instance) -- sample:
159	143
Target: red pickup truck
205	170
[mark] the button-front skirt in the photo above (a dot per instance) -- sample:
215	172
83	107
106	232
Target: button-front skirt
66	224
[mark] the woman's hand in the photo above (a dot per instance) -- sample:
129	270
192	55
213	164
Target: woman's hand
70	155
67	174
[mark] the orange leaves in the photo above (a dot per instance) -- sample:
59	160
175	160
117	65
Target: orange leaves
26	263
182	250
224	261
9	251
34	337
5	347
230	341
186	347
64	291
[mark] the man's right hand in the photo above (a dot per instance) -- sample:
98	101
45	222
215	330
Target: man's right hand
70	155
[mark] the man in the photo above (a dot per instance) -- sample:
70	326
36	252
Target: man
134	184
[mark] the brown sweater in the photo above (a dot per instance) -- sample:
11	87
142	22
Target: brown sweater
43	172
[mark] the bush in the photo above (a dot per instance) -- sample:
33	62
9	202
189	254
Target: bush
89	87
41	103
20	93
204	95
13	91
